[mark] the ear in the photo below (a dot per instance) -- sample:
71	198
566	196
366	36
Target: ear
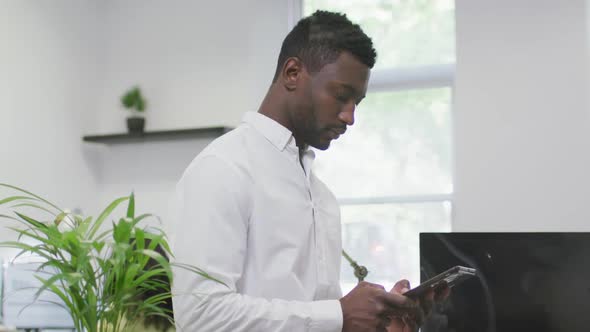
292	73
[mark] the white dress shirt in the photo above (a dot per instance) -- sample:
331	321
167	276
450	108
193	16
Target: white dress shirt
253	214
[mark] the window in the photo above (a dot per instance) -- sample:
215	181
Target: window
405	32
392	171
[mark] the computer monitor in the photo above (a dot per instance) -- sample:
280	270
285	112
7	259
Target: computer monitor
525	282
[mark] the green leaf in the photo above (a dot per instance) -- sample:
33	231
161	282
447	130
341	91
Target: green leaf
10	217
162	261
129	99
35	223
140	104
198	271
98	246
60	217
83	225
30	194
156	272
131	206
109	209
139	238
103	235
47	283
36	206
131	273
122	231
14	198
55	290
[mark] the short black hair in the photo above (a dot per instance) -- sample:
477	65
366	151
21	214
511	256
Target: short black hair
318	40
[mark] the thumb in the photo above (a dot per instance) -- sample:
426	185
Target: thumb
401	286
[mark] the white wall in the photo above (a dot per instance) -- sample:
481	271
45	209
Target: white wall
522	136
65	64
521	117
199	63
48	66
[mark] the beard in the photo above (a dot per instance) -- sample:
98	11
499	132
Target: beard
319	138
309	131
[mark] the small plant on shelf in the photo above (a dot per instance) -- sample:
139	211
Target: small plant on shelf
134	101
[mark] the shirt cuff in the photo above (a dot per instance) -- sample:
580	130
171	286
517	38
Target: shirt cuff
326	316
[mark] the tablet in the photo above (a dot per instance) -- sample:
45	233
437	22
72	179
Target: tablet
452	277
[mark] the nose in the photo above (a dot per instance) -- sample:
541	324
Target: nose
347	115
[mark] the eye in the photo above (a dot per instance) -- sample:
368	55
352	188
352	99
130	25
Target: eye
342	97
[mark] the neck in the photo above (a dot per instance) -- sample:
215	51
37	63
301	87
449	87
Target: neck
276	107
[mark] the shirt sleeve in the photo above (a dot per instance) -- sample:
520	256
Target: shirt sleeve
211	233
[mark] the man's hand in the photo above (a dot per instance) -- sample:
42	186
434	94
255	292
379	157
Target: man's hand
410	321
368	307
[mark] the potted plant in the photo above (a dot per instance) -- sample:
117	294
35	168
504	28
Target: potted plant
133	101
109	280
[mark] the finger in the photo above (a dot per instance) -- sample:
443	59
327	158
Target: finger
413	317
384	322
412	324
363	284
381	310
427	301
368	284
442	293
397	301
398	321
419	319
401	286
428	295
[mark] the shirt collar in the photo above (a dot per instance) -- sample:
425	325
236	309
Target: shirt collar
273	131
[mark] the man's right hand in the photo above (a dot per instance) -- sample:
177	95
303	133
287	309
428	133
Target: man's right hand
368	307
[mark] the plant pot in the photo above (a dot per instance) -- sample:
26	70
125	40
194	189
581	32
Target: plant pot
135	125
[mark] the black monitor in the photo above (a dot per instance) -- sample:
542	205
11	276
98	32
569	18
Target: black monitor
525	282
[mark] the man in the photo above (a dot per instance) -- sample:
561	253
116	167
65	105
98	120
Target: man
254	215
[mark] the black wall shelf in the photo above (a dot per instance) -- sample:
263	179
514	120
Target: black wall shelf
161	135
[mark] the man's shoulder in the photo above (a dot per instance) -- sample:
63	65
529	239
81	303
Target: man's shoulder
228	145
230	149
